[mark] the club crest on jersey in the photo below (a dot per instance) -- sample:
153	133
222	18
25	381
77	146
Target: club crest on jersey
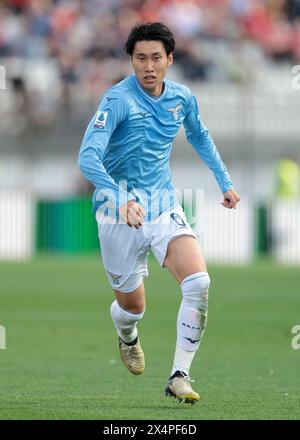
175	111
100	120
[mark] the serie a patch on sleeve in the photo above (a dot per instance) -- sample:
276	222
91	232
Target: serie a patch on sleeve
100	120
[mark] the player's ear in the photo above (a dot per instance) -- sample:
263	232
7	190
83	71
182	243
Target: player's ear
170	59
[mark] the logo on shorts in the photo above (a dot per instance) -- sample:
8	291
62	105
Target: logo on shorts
115	277
100	120
177	219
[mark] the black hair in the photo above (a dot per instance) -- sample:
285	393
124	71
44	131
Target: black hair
149	32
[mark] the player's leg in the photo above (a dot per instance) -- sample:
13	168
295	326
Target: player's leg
184	257
134	301
126	311
124	256
185	261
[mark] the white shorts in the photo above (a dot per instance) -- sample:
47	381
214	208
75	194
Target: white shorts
124	249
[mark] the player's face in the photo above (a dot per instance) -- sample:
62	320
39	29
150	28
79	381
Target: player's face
150	63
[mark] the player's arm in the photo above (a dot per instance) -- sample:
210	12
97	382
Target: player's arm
231	199
110	113
199	137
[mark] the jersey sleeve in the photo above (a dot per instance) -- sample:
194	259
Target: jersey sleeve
199	137
112	111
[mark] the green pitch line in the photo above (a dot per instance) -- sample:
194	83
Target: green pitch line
62	361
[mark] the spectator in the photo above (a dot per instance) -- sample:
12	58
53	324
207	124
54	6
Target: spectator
83	38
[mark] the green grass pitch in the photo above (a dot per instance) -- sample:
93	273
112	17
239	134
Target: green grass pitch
62	360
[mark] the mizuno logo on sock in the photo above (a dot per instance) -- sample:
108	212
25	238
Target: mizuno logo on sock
193	341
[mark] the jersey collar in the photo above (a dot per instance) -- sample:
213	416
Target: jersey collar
142	90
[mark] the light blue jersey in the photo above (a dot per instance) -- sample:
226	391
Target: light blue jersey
125	152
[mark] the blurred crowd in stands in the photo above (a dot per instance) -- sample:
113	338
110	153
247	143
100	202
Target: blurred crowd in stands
59	46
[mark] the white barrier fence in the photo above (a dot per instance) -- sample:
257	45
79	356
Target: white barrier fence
285	228
227	236
16	225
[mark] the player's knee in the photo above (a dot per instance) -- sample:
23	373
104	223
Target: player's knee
136	306
195	290
137	309
130	311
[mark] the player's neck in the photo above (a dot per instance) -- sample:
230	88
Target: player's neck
156	93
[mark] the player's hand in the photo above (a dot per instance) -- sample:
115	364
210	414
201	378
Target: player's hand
133	214
231	199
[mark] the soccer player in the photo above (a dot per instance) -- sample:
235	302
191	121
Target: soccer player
125	154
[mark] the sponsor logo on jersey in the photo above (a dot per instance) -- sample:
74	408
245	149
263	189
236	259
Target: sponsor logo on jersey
100	120
143	114
175	111
110	99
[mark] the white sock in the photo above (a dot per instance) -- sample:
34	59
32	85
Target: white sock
187	327
182	360
190	327
125	322
191	320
